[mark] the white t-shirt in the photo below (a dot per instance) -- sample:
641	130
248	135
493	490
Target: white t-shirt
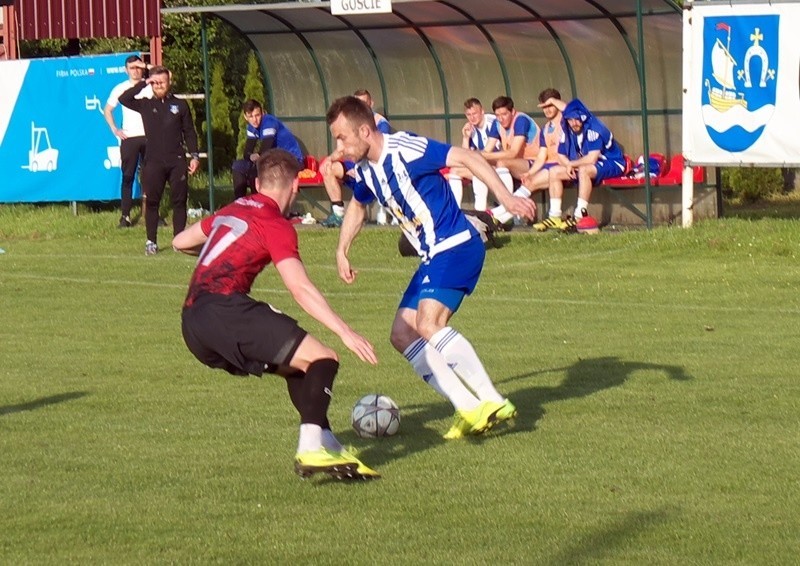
131	119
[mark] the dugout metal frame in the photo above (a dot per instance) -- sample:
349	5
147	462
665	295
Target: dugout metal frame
421	62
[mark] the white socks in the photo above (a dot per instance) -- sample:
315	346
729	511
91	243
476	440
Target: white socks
523	192
505	176
330	442
461	356
582	203
555	207
433	369
481	191
500	211
310	438
337	210
457	186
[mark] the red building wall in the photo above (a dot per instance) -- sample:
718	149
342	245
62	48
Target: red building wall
70	19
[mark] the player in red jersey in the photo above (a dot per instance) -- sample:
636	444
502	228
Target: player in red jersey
225	328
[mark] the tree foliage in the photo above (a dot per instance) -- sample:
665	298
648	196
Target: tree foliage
221	127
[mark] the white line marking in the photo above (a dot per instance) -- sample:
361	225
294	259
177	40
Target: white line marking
395	296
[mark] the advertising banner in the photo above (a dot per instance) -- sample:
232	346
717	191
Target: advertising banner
55	144
741	84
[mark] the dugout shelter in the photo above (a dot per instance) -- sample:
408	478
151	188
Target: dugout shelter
422	60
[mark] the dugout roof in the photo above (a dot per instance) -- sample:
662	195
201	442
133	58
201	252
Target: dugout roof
422	61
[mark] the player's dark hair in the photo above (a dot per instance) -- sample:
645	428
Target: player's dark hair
470	102
353	109
159	70
132	58
363	92
503	102
250	105
277	168
549	93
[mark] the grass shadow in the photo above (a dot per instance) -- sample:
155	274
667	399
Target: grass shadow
602	543
42	402
583	378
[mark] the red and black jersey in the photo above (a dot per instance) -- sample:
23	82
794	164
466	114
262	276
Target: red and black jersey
243	238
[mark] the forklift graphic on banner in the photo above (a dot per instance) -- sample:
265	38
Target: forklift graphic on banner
42	156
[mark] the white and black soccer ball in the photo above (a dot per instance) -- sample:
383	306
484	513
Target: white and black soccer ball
375	415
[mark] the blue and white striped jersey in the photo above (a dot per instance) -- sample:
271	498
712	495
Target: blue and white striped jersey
479	137
406	180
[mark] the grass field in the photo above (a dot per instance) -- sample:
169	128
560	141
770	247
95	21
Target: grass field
655	374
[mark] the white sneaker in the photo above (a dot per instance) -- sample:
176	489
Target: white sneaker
308	219
380	217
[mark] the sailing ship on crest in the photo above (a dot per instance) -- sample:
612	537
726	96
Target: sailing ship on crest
722	65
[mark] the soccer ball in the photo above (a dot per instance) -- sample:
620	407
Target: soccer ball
375	415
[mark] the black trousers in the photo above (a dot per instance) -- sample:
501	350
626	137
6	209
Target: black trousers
155	174
131	152
244	175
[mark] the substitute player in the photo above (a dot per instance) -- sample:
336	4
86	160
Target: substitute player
225	328
401	172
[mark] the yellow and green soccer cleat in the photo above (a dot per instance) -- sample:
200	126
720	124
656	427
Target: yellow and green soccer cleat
555	223
362	471
324	461
476	421
339	465
459	428
507	411
483	417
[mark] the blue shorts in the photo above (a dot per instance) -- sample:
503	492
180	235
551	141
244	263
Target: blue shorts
447	277
607	169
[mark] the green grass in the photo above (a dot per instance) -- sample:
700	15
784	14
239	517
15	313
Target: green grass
655	374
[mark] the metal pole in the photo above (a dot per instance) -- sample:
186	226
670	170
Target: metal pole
209	133
645	127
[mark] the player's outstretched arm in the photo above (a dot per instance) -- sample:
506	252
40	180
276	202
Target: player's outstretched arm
305	293
479	167
354	218
190	241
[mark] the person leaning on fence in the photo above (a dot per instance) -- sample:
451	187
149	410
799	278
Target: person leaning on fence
401	172
170	134
227	329
131	134
267	132
587	154
537	178
474	136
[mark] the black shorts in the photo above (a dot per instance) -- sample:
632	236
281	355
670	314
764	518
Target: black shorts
239	334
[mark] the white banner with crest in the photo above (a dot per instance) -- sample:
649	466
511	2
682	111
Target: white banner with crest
741	76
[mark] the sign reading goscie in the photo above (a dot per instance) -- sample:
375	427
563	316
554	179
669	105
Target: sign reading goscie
349	7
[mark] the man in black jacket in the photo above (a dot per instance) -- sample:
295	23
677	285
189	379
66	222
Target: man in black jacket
170	133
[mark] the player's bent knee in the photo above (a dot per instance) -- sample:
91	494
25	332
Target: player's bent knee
311	350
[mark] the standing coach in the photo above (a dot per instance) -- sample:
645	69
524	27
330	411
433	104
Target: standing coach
170	133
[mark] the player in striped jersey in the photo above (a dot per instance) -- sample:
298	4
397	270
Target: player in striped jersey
474	136
401	172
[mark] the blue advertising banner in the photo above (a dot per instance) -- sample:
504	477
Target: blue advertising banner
55	144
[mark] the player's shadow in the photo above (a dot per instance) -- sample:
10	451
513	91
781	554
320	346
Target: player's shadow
583	378
41	402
